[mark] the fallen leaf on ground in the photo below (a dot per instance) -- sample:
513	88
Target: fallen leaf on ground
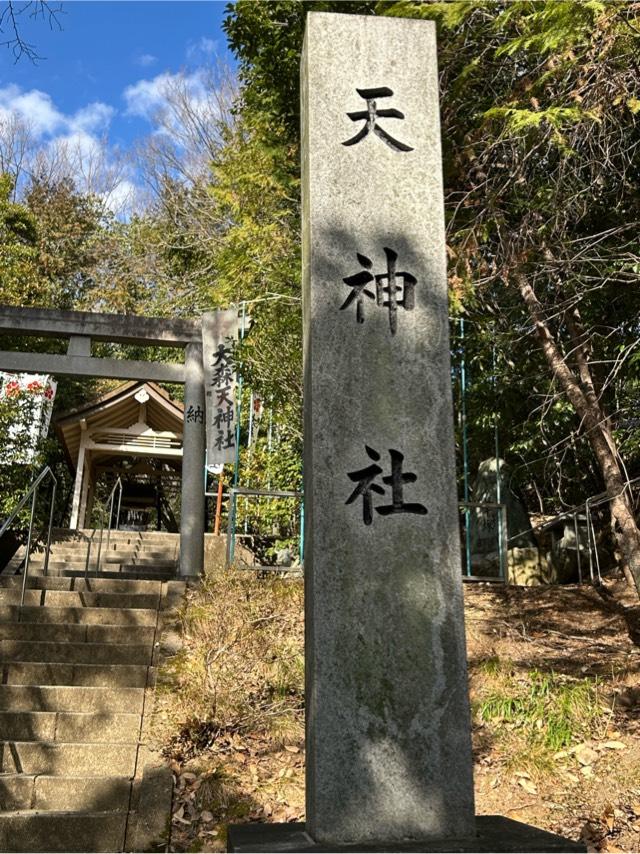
614	745
607	819
528	786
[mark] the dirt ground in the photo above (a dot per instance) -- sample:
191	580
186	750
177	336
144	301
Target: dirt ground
590	791
567	652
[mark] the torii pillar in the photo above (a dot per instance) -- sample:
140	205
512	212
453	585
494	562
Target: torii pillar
193	456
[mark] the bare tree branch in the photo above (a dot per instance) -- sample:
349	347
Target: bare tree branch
12	16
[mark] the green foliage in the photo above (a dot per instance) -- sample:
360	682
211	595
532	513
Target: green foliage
540	116
47	255
19	275
267	40
517	120
68	225
530	91
257	256
448	14
547	27
273	461
539	135
547	710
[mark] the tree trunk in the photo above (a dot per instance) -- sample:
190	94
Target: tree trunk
580	390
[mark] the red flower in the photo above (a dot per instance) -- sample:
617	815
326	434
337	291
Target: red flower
12	389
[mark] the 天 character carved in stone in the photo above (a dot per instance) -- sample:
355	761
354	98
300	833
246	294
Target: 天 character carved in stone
370	116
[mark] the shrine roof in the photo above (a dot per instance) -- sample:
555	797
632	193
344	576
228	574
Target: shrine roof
120	410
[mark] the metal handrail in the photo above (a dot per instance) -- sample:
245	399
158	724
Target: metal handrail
110	501
33	493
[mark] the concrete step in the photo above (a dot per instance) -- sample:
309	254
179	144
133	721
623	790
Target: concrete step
75	662
71	758
149	550
120	555
93	794
94	616
78	633
63	698
139	574
69	726
78	599
138	559
23	831
79	675
83	535
92	585
115	564
74	653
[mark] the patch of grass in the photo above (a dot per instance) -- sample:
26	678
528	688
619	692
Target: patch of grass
536	759
493	665
546	710
241	666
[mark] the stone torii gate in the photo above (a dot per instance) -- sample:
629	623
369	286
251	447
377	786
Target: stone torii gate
82	328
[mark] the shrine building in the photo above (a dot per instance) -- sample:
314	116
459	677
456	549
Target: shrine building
133	432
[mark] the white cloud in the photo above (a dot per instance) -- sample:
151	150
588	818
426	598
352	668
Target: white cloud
34	107
79	147
145	60
69	144
38	111
203	48
146	97
92	118
122	199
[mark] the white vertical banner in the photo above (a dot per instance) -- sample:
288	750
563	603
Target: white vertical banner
34	394
219	334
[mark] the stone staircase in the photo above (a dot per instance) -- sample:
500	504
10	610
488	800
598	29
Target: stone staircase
78	670
130	554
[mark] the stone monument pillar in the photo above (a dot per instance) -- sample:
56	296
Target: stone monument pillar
193	441
388	726
389	763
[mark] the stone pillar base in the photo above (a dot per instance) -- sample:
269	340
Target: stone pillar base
494	833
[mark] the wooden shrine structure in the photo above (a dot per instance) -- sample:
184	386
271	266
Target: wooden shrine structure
136	421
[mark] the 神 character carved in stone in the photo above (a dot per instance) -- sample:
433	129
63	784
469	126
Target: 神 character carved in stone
365	478
371	114
223	417
393	288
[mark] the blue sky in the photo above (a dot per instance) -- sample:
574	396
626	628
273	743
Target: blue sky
103	73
